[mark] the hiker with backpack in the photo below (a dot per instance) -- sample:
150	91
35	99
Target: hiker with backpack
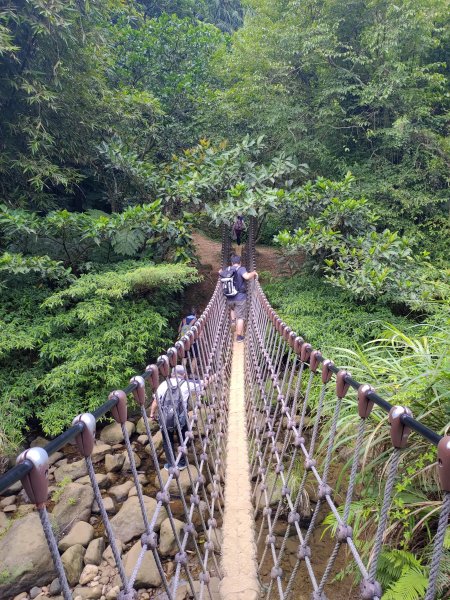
234	286
171	402
237	230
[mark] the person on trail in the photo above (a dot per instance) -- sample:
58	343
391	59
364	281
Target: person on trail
237	230
172	399
234	285
183	328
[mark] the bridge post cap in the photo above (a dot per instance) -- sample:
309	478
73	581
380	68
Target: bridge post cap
399	431
195	330
277	322
305	352
287	332
35	482
139	390
154	376
326	371
299	341
85	440
186	341
119	411
180	349
364	404
291	340
164	365
370	589
314	360
173	356
443	453
341	384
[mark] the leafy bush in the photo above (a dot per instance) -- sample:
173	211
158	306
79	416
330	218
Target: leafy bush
61	353
327	317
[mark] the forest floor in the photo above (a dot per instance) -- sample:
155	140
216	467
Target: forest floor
209	257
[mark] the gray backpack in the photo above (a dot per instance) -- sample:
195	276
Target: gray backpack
171	403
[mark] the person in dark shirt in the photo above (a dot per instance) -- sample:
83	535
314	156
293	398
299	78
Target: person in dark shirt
238	303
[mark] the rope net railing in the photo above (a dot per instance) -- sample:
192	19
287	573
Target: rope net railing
284	377
202	426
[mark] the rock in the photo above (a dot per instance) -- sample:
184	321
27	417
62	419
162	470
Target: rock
148	574
10	509
142	439
25	557
39	442
73	563
81	533
100	478
53	458
157	442
109	556
88	573
100	451
94	552
108	504
25	509
55	587
73	471
88	593
126	464
113	593
140	426
167	543
3	521
112	434
132	492
120	492
184	480
35	591
214	583
73	505
114	462
128	522
7	501
21	596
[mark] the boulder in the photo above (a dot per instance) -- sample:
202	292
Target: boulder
142	439
126	464
39	442
157	442
3	521
94	552
112	434
114	462
120	492
184	480
10	509
109	556
7	501
140	426
55	588
113	593
99	452
81	533
25	558
88	593
88	574
54	458
108	504
167	543
128	523
101	479
73	505
148	574
73	471
73	562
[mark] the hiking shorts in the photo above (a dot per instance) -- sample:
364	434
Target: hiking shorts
239	307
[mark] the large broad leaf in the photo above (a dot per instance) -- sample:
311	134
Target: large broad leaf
128	241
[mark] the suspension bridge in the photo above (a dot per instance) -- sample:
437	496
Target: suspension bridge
252	449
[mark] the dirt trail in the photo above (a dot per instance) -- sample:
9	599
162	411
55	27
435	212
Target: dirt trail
209	256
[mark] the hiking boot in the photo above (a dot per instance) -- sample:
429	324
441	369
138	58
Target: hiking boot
181	467
240	338
167	466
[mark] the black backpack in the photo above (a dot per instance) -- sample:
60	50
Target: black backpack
171	403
